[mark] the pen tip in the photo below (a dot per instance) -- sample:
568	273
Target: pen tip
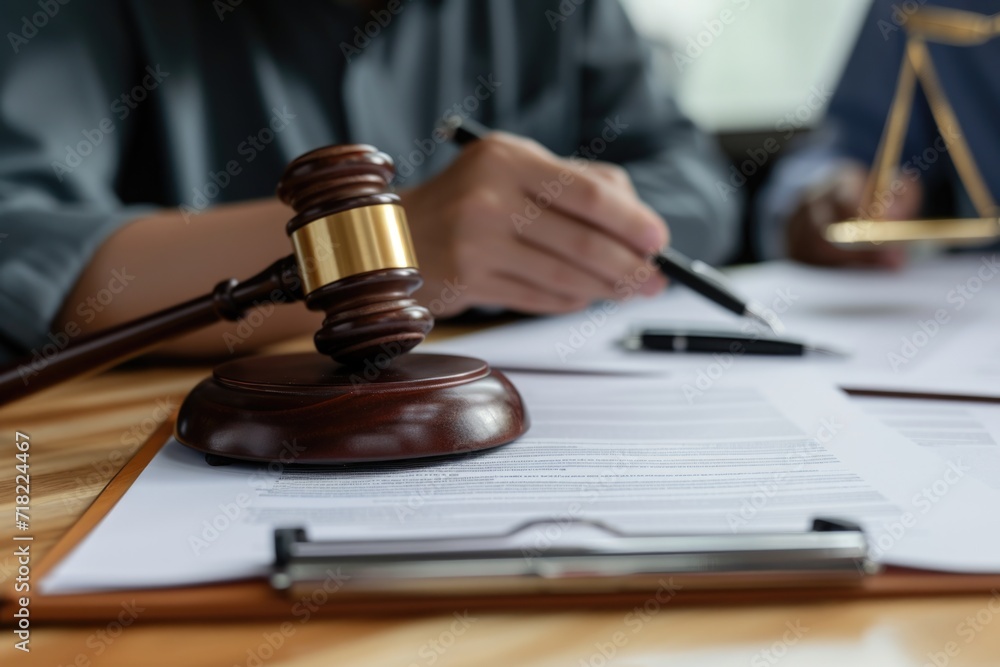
449	125
765	317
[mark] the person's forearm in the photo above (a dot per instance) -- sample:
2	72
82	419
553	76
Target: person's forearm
167	258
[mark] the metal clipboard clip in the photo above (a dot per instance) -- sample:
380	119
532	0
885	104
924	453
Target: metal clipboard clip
584	557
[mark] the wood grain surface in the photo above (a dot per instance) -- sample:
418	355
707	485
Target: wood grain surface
82	433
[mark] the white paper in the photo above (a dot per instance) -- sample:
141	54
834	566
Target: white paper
644	455
953	430
930	328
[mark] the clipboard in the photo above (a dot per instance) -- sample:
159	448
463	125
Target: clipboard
258	599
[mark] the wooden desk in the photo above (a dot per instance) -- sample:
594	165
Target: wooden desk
82	433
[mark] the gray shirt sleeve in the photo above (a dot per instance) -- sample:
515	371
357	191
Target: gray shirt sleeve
61	142
75	156
676	168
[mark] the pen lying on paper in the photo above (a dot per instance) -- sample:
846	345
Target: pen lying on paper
663	339
692	273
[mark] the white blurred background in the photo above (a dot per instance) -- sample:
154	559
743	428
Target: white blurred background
747	74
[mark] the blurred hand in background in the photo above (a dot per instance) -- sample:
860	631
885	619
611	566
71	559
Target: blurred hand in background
839	199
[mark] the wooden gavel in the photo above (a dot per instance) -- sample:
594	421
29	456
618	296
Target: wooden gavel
354	261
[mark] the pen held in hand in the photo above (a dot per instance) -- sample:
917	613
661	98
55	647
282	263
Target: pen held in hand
694	274
709	283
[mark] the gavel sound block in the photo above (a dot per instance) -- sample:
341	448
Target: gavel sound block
361	396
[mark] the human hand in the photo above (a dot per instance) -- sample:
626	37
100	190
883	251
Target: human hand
510	224
840	199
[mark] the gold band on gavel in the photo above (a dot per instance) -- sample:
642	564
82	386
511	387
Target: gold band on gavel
344	244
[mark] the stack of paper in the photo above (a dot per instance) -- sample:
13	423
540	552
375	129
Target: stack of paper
655	443
640	454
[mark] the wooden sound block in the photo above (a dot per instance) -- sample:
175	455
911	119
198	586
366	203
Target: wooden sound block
308	409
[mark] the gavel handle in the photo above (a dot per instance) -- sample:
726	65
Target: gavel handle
230	299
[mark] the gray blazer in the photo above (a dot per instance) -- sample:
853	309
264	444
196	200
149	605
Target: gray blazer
112	108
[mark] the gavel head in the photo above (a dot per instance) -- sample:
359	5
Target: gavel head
354	253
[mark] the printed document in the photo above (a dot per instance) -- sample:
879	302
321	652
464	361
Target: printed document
645	455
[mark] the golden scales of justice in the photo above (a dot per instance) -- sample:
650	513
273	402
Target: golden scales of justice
942	26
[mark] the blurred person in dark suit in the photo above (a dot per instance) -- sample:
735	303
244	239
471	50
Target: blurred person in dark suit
823	181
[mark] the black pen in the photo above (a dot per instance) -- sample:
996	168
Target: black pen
693	273
714	286
686	340
463	131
